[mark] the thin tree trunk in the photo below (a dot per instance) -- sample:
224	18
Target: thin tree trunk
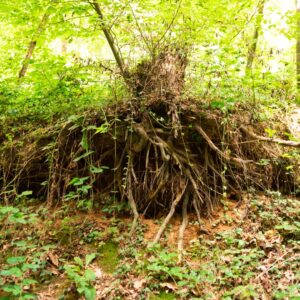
110	40
253	46
298	46
33	43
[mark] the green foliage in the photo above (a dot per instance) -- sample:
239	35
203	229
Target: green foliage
71	67
21	268
80	195
16	276
82	276
13	215
71	71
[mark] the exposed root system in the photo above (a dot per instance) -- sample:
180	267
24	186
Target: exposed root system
137	153
152	154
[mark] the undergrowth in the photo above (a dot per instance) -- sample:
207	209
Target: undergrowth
77	253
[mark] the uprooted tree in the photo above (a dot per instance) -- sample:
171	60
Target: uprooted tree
158	150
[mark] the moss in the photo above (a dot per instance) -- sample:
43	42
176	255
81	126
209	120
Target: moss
163	296
109	258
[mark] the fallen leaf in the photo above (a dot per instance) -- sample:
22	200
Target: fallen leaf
138	284
53	258
169	286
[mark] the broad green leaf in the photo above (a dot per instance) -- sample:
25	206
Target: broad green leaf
90	293
79	261
12	288
29	281
89	258
89	275
16	260
14	271
28	296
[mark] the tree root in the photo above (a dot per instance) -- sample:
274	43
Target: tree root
182	227
166	221
148	163
270	140
131	200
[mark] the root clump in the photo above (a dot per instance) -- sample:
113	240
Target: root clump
158	152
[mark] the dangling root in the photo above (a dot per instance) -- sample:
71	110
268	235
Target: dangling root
171	212
130	196
183	227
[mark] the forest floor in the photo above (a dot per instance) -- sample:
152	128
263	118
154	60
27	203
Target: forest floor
247	249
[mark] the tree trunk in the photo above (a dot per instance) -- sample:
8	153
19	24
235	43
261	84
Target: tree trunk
32	44
298	47
110	40
253	46
162	77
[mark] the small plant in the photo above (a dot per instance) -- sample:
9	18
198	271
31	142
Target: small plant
16	277
14	216
80	194
82	277
112	206
242	292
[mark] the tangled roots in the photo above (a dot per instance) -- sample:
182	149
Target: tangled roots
152	156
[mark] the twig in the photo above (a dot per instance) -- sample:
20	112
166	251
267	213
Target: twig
275	263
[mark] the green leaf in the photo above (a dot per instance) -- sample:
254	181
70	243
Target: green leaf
29	281
89	275
16	260
28	296
8	209
78	261
90	293
83	155
84	141
89	258
103	128
78	181
271	132
13	289
25	193
32	266
96	170
15	271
